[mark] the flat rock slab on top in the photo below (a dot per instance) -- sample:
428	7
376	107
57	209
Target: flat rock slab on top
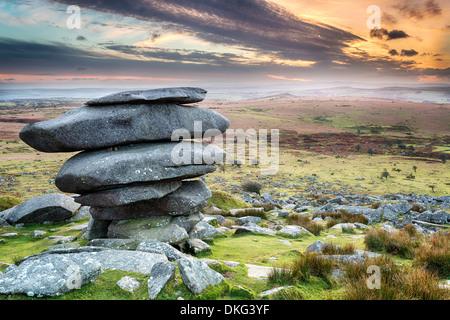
142	163
87	128
176	94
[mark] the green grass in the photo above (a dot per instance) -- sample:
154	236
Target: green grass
225	201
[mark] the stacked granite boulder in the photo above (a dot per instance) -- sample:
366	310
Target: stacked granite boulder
126	172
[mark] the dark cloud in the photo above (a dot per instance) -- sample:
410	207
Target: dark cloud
409	53
20	57
81	38
257	24
433	8
393	52
387	18
384	34
418	9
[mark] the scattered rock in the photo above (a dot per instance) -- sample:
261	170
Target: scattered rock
50	275
50	207
196	274
251	227
318	246
155	246
161	273
197	245
244	220
292	231
128	283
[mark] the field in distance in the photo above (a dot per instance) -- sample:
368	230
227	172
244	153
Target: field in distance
344	143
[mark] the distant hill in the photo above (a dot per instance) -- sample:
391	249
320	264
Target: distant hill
429	94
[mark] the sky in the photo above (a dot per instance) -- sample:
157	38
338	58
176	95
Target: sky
153	43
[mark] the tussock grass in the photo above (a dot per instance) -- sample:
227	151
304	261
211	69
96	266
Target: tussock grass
309	264
348	248
395	283
399	243
434	255
305	222
343	217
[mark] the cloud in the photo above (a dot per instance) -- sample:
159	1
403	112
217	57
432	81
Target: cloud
81	38
393	52
257	24
409	53
419	9
384	34
388	18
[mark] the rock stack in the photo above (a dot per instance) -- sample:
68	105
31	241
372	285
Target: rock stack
126	171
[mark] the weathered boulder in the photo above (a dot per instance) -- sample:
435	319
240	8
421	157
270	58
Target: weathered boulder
251	227
175	94
187	199
142	163
127	195
292	231
204	230
155	246
196	274
159	228
390	211
88	128
161	273
439	217
50	207
197	245
244	220
188	222
117	244
110	259
50	275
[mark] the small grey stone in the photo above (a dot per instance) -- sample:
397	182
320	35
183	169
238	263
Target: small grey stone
128	283
292	231
39	234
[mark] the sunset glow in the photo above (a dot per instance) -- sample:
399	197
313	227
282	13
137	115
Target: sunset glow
223	43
